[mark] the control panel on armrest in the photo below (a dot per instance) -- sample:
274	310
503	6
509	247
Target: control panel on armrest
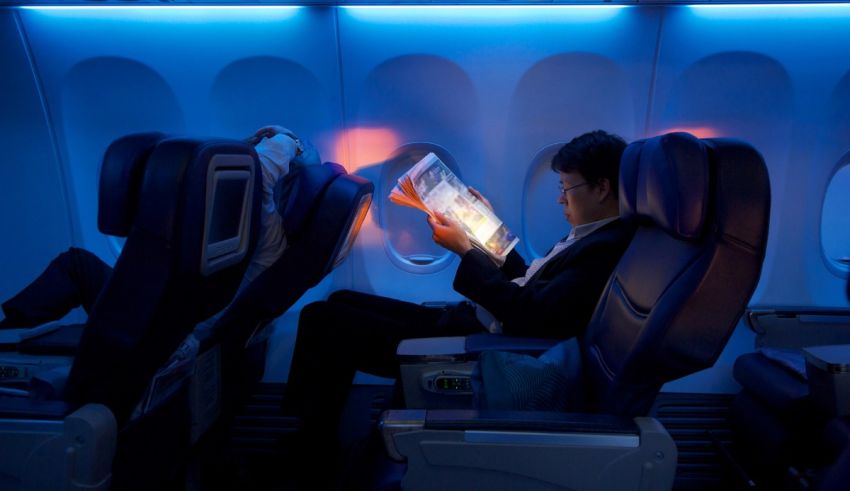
436	373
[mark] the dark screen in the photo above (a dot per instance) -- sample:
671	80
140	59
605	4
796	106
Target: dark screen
227	209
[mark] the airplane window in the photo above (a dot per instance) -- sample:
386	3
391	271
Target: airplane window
540	207
406	233
835	219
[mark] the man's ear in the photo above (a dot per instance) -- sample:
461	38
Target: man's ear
603	187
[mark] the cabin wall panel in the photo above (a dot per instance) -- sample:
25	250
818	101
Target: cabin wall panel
772	76
494	87
36	222
220	72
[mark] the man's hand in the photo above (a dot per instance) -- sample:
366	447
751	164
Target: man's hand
480	197
449	234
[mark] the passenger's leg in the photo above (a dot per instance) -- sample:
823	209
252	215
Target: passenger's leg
385	306
72	279
334	340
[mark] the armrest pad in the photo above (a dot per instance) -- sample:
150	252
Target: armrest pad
19	408
457	348
476	343
432	349
453	419
607	429
528	421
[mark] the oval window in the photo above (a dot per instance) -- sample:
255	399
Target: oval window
835	218
543	217
407	236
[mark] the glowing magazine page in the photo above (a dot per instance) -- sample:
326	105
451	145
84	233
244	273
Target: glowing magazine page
430	186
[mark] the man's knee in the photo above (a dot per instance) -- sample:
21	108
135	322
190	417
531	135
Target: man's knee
314	320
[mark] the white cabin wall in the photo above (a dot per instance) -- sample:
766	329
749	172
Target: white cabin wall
493	86
35	218
774	76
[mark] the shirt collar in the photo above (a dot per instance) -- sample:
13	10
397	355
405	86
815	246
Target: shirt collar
588	228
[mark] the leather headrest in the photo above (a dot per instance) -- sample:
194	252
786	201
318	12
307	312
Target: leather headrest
297	193
121	180
665	179
177	194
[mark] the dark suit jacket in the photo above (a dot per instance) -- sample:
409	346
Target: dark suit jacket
558	300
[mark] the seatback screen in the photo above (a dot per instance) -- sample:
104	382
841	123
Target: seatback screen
227	213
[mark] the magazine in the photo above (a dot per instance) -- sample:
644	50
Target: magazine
431	186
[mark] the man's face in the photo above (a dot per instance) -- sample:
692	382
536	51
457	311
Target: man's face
580	199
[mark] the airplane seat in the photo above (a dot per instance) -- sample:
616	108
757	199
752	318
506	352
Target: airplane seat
702	208
790	420
322	208
787	422
188	244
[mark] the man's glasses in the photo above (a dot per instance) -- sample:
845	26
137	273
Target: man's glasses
564	190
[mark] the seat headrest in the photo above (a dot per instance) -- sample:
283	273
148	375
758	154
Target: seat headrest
297	193
120	181
665	179
202	197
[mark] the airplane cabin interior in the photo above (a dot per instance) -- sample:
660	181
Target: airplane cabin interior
185	185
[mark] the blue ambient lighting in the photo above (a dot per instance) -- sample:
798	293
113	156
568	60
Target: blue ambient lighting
183	14
161	7
463	14
771	11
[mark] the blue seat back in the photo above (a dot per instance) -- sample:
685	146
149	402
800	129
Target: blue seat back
189	241
120	181
677	293
322	207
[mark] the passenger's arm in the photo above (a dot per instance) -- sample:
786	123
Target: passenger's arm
448	234
559	307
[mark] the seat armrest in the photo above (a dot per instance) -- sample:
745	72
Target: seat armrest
452	419
528	450
48	445
423	350
477	343
457	348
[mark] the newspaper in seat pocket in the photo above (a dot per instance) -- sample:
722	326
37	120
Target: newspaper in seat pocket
431	186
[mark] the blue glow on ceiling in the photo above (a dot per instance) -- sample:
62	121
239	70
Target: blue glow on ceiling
183	13
770	11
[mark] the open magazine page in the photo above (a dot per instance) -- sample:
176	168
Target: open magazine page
440	190
404	194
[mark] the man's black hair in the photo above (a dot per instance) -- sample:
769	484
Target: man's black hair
594	155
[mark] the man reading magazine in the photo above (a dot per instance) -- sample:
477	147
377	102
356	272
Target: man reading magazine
553	297
431	187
